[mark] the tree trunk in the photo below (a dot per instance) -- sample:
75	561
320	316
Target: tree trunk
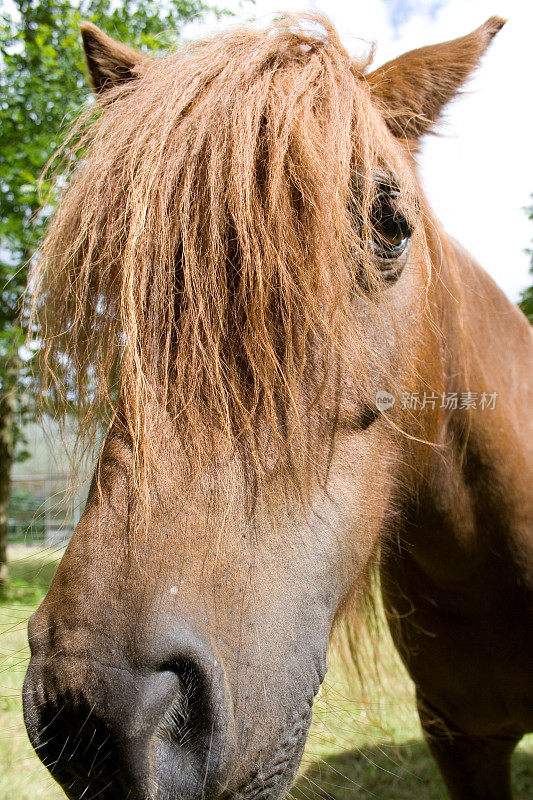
7	411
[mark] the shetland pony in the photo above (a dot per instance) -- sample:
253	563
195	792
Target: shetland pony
302	375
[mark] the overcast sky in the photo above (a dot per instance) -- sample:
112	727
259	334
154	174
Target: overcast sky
478	174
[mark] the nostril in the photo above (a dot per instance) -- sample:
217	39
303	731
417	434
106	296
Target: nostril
190	714
192	745
116	727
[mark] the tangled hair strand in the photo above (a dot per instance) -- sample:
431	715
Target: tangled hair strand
198	272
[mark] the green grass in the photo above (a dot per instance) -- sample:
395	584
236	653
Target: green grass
355	751
22	777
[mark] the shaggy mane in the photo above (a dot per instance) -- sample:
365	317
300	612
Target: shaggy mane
198	272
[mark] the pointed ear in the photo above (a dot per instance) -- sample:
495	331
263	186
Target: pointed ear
412	90
109	63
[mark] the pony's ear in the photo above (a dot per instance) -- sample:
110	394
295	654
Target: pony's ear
109	63
412	90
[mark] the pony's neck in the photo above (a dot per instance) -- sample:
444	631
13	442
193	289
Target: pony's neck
476	498
496	339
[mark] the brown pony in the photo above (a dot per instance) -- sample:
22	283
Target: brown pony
301	372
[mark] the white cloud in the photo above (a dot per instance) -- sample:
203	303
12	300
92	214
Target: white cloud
478	175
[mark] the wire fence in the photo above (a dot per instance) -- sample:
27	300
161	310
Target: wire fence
43	509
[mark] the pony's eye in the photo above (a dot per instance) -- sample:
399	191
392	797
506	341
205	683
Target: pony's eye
391	230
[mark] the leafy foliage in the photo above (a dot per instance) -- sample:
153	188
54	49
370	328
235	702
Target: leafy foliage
526	302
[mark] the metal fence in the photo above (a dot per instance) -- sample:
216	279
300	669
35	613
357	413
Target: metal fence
43	508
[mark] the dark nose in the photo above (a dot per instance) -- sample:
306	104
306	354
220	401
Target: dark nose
109	728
